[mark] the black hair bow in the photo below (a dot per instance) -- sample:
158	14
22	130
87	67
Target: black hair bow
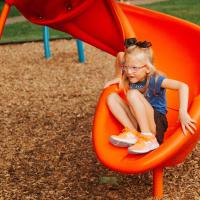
130	42
144	44
133	41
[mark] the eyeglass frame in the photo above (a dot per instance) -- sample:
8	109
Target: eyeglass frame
133	68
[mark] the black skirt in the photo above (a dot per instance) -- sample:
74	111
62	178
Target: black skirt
161	125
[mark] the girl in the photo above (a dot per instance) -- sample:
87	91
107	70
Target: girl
145	106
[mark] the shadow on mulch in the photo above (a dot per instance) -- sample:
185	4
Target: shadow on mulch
47	109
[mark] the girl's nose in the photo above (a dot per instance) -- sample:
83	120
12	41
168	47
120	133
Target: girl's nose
130	71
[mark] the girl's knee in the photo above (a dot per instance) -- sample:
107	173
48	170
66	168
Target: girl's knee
132	94
112	98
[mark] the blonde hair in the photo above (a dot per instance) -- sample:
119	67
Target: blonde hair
140	53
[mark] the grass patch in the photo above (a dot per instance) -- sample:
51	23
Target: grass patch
26	31
185	9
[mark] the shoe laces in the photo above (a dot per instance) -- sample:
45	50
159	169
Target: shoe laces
144	138
126	130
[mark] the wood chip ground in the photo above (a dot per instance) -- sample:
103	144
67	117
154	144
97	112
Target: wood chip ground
46	114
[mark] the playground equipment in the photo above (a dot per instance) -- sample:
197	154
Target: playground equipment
47	51
105	24
80	47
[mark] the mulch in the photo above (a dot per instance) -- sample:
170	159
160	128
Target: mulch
47	109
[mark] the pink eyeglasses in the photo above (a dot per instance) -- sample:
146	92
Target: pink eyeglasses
133	68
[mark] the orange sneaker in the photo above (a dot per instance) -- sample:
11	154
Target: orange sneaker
144	144
125	139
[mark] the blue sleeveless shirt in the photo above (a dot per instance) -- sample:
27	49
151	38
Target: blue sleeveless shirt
156	95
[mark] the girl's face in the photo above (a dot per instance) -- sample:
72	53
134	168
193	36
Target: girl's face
136	68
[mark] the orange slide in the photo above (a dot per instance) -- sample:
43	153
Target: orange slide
105	24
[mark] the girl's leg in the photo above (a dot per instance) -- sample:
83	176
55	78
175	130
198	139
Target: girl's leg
145	117
121	111
144	112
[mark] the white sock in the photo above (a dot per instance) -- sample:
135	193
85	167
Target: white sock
147	133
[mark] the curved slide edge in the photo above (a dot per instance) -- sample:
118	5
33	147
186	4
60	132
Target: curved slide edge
118	159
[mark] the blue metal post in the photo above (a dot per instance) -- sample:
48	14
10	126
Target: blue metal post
47	51
80	47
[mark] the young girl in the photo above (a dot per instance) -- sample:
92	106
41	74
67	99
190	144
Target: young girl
143	113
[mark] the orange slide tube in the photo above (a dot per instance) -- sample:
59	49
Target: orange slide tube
125	24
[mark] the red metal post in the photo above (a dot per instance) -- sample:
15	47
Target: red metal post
3	17
158	183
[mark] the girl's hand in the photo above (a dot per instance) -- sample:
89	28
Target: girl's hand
187	123
111	82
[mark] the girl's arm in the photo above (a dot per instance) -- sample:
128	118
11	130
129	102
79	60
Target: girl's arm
118	63
186	121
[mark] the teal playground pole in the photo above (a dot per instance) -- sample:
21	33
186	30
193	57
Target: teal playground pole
80	47
46	42
47	51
